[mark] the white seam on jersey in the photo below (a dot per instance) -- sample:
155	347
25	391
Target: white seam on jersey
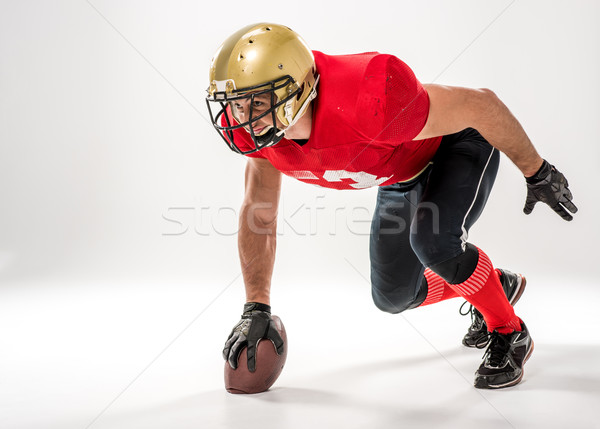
465	234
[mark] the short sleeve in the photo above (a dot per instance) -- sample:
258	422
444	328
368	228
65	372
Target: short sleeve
406	105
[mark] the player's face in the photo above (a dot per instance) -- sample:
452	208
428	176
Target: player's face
260	104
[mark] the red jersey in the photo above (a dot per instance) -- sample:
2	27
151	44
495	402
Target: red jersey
368	109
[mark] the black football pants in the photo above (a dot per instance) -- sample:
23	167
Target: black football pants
425	223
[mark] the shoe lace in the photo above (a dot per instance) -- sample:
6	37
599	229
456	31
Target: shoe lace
497	349
469	310
476	317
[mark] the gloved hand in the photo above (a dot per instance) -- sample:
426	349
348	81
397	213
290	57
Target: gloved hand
256	324
551	187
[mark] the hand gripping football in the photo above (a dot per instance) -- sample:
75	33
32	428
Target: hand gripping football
268	366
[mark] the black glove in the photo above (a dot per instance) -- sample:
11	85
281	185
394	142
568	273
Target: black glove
256	324
551	187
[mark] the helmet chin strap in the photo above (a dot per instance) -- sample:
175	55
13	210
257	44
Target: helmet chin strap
288	106
273	134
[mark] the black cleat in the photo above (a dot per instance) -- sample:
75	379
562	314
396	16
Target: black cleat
503	360
478	335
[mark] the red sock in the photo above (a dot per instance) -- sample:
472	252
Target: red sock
484	290
437	289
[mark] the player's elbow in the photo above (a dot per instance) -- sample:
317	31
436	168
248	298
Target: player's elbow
486	92
486	106
259	216
484	98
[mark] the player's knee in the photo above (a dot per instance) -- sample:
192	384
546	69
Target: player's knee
458	268
389	304
390	293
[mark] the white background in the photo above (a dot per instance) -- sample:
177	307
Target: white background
117	228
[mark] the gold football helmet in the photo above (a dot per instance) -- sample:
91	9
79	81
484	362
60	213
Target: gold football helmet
261	61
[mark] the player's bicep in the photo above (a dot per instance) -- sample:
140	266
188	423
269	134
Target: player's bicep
452	109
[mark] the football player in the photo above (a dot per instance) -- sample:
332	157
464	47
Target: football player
356	121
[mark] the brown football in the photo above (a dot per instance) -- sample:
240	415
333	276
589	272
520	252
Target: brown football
268	366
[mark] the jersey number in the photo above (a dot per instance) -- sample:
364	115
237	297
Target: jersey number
362	180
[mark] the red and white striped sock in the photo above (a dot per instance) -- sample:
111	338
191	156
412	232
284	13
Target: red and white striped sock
484	290
437	289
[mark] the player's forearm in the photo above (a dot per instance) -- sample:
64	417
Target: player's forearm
500	127
257	244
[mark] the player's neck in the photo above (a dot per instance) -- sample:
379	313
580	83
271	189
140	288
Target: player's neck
301	129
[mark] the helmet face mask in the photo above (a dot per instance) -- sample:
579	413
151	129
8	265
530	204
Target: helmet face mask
265	61
223	120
